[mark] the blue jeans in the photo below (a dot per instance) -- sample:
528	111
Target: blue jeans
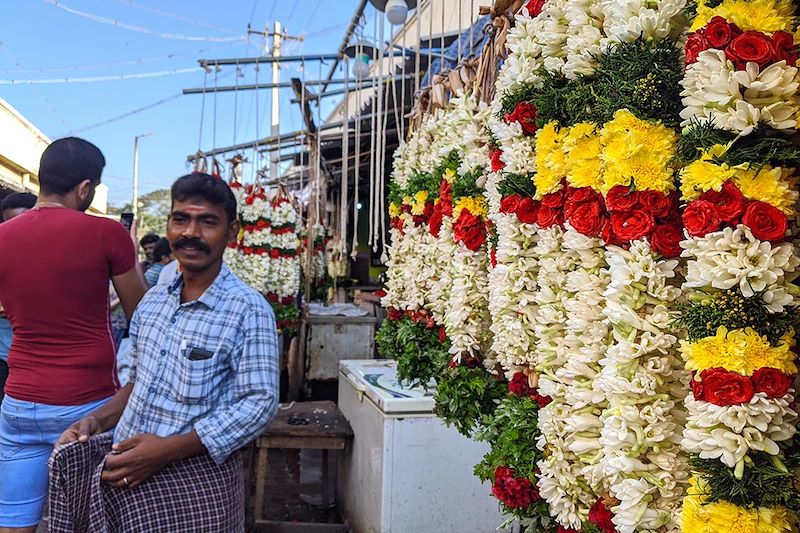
28	432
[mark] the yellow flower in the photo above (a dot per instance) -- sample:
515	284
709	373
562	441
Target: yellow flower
550	166
636	151
739	350
702	517
766	16
582	156
701	176
474	204
394	210
418	203
407	200
769	185
449	175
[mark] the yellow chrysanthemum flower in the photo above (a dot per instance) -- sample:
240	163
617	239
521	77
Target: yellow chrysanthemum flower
394	210
550	167
582	156
474	204
418	203
702	517
636	151
769	185
701	176
766	16
739	350
407	200
449	175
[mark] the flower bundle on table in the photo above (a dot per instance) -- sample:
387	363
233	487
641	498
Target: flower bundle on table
741	316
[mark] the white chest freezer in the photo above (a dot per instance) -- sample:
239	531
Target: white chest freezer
405	471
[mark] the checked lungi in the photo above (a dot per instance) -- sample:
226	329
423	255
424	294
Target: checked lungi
193	495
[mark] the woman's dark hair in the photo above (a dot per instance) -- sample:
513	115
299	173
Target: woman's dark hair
67	162
211	189
161	250
18	200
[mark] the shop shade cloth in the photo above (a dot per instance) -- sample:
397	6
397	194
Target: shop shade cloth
193	495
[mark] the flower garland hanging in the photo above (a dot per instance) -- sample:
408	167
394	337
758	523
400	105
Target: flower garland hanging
283	281
741	316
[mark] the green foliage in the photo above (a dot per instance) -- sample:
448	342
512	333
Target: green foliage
467	397
519	184
422	181
512	432
761	147
765	482
419	354
641	76
524	92
732	310
395	193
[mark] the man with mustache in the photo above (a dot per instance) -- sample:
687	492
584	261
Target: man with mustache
204	383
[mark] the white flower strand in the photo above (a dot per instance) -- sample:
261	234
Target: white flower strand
642	378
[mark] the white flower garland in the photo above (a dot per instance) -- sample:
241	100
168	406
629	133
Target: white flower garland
641	426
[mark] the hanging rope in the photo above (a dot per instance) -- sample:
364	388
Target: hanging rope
502	15
357	181
382	153
258	134
372	146
401	126
343	194
214	125
236	103
417	77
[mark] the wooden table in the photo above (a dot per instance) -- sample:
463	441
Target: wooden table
309	425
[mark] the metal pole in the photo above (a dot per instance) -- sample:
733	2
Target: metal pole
265	59
275	113
350	29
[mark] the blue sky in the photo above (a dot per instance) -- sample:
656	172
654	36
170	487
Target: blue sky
41	40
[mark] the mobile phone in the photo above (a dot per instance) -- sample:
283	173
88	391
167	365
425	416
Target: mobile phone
126	219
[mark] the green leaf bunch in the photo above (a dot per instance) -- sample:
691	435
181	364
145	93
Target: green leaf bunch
467	397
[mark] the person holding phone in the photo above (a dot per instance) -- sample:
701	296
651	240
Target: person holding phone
54	275
204	383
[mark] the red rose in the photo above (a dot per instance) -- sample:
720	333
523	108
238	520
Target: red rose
534	7
497	163
525	114
274	253
397	223
750	46
547	216
700	217
633	224
514	492
666	239
509	204
729	202
600	516
575	197
442	335
719	33
621	198
419	219
519	385
541	400
428	210
435	221
289	300
772	382
562	529
394	314
697	387
722	388
655	202
554	199
493	257
272	297
783	48
469	230
695	44
767	223
528	211
587	218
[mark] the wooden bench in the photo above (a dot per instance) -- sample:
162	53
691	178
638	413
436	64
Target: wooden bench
302	425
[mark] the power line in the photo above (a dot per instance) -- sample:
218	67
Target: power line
141	29
176	16
91	79
125	115
139	61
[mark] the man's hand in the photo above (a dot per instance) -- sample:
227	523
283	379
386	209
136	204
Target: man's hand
136	460
80	431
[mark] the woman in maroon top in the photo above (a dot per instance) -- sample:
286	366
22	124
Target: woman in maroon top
54	286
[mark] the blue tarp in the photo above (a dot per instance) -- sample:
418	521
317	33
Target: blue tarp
472	42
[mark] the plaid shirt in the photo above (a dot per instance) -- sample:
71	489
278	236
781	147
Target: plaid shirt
210	365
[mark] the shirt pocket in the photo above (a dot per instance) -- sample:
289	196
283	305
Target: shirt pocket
194	379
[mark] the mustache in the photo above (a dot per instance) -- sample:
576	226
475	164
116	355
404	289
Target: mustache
185	242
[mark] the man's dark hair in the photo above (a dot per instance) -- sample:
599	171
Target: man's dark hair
18	200
211	189
150	238
161	250
67	162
